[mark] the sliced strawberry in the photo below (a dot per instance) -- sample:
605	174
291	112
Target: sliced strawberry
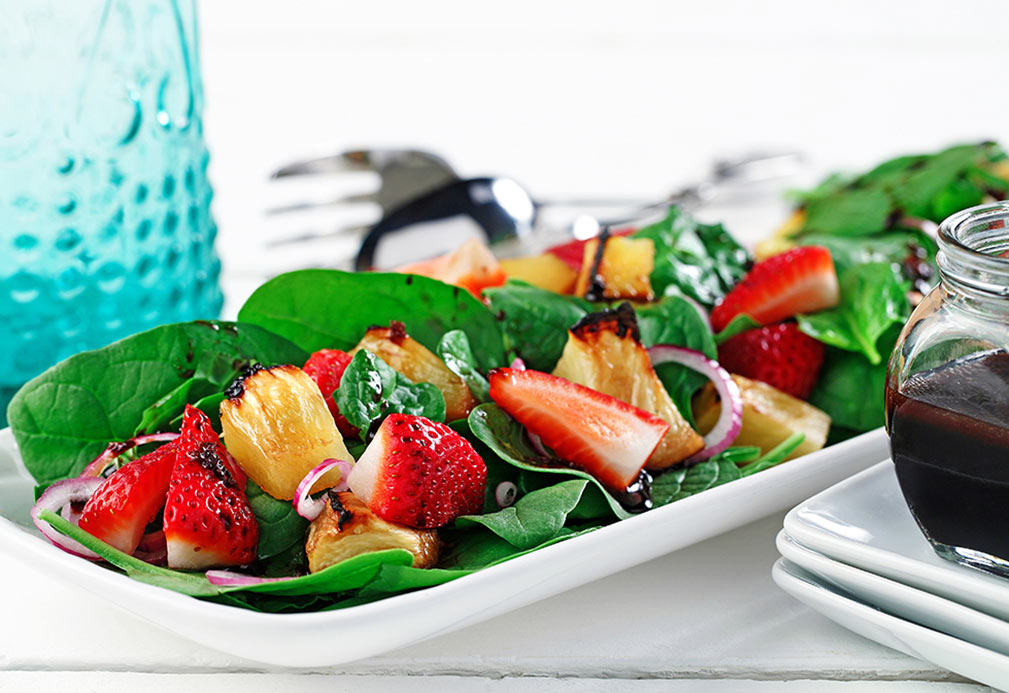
608	438
573	252
779	355
127	501
419	473
326	368
801	280
208	521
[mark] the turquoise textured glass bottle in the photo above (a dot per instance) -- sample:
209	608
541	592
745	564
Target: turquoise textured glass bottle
105	225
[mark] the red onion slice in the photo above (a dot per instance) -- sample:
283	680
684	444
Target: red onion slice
115	449
153	548
537	444
228	578
731	419
58	496
518	364
308	507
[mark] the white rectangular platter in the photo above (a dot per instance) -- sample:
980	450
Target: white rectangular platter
337	637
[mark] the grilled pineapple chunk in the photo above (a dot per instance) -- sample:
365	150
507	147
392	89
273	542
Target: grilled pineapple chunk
411	358
769	416
277	427
622	270
603	353
547	271
347	528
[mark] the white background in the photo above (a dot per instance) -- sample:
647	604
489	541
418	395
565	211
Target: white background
629	97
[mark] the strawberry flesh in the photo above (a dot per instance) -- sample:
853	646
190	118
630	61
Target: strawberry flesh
122	507
801	280
419	473
600	434
208	521
326	368
780	355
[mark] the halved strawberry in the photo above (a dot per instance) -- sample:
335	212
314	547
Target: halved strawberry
779	355
419	473
208	521
608	438
126	502
326	368
801	280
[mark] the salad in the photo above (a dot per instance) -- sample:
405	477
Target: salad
354	436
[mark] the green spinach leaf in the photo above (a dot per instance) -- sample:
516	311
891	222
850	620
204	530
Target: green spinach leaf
280	526
702	261
370	390
775	455
454	349
65	417
873	298
300	306
536	321
738	325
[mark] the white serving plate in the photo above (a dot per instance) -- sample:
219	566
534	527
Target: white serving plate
337	637
864	522
923	608
917	641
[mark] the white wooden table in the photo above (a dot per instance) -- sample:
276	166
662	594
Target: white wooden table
707	618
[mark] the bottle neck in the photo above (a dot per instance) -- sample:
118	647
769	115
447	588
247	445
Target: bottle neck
973	259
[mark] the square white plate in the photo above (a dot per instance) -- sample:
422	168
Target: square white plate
896	633
864	521
337	637
898	599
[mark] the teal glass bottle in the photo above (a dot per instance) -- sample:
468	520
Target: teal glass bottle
105	224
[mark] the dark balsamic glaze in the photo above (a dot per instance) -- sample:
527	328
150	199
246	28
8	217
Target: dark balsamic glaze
949	439
237	387
343	516
597	287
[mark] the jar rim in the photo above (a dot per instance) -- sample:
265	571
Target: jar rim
968	260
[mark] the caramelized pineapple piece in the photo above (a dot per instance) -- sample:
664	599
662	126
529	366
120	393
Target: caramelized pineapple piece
277	427
347	528
603	353
411	358
769	416
547	271
781	240
622	270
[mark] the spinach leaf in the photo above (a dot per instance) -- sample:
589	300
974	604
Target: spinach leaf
507	439
330	309
65	417
849	212
683	482
850	388
673	320
873	298
702	261
159	416
536	321
280	526
370	390
535	518
892	247
454	349
775	455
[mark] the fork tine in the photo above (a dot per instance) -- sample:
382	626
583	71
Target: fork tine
306	205
315	236
337	163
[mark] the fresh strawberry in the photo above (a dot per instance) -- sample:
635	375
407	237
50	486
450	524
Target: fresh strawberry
419	473
779	355
573	252
326	368
127	501
608	438
801	280
208	521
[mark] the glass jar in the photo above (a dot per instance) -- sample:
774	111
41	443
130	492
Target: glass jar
947	395
105	225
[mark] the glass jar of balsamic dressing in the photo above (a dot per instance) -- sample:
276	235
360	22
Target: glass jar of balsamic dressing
947	395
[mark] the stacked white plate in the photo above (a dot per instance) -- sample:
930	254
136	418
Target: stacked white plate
855	554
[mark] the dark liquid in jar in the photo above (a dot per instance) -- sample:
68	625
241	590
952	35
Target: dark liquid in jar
949	439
